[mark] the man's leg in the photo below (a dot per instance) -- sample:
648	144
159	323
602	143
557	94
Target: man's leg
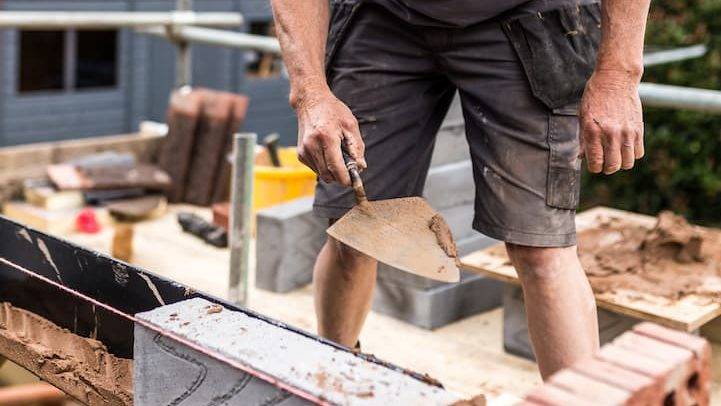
560	306
343	280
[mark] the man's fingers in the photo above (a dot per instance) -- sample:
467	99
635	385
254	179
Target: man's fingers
354	142
611	140
638	147
333	158
628	157
313	152
592	147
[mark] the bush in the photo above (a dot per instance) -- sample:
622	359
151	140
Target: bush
682	167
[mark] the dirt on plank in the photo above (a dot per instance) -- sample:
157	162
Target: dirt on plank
80	366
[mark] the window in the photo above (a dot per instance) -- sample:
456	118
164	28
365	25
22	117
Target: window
96	64
68	60
41	60
263	64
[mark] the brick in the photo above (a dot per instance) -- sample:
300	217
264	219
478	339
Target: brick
549	395
698	384
221	190
631	360
670	354
435	307
645	391
211	138
221	215
168	371
588	388
515	329
289	236
175	151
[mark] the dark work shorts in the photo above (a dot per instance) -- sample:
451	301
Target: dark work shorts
520	80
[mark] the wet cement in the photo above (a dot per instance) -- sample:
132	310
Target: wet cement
444	236
671	260
81	367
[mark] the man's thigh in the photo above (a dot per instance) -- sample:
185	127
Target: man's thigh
525	151
382	71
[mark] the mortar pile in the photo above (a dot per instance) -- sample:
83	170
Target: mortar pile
672	259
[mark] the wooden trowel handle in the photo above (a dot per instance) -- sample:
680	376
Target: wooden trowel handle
356	182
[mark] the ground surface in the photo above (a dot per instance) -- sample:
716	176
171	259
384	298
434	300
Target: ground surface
467	356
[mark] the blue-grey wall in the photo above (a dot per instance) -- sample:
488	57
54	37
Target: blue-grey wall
146	77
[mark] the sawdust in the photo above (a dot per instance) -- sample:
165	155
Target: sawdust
671	260
443	235
81	367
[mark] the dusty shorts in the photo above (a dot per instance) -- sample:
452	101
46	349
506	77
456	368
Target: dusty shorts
520	80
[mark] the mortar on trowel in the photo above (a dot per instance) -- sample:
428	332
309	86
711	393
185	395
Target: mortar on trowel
405	233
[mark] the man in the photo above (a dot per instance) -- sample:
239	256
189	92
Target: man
380	81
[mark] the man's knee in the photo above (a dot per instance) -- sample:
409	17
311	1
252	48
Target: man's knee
540	263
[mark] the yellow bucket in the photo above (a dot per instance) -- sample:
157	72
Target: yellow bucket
277	185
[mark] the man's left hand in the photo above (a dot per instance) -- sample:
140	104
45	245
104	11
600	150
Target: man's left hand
611	122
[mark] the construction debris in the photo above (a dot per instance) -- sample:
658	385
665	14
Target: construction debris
208	232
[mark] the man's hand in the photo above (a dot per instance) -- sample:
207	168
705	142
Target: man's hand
324	122
611	122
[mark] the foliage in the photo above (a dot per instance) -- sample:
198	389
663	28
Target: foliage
682	167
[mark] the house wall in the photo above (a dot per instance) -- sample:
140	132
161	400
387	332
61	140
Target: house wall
146	77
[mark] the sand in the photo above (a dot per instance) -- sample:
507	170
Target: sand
81	367
671	260
444	236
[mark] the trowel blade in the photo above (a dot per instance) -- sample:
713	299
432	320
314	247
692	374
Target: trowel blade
397	232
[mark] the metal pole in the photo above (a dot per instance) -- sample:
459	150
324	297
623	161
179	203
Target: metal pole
655	95
673	55
183	62
240	215
210	36
53	20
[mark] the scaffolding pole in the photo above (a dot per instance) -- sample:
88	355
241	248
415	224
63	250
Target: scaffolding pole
224	38
655	95
53	20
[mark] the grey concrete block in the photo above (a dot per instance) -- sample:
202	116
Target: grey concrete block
289	236
396	276
451	145
515	329
202	367
450	185
437	306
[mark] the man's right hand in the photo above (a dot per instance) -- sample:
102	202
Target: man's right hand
324	123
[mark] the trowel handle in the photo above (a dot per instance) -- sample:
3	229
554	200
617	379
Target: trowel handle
356	182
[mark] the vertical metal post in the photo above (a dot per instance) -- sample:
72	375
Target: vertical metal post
240	215
183	63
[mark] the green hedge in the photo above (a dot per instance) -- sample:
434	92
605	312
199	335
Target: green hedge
682	167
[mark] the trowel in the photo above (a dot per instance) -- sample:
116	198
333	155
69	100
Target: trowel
405	233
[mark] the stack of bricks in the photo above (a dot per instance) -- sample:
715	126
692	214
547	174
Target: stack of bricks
200	127
290	236
648	365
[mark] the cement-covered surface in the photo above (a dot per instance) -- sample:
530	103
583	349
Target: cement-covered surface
316	368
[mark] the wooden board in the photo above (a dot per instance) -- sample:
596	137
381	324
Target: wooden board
687	314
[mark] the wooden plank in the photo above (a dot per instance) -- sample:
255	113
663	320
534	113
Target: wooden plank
687	314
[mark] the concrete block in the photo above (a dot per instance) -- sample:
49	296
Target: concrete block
289	236
437	306
515	328
450	185
451	145
280	366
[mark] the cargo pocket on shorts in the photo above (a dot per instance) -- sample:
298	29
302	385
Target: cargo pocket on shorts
557	49
341	14
564	167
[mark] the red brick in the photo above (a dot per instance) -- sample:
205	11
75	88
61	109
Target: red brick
221	215
591	389
221	190
210	141
699	383
644	389
550	395
681	358
175	151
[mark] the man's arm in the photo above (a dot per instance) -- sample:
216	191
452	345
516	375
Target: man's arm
611	116
323	120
